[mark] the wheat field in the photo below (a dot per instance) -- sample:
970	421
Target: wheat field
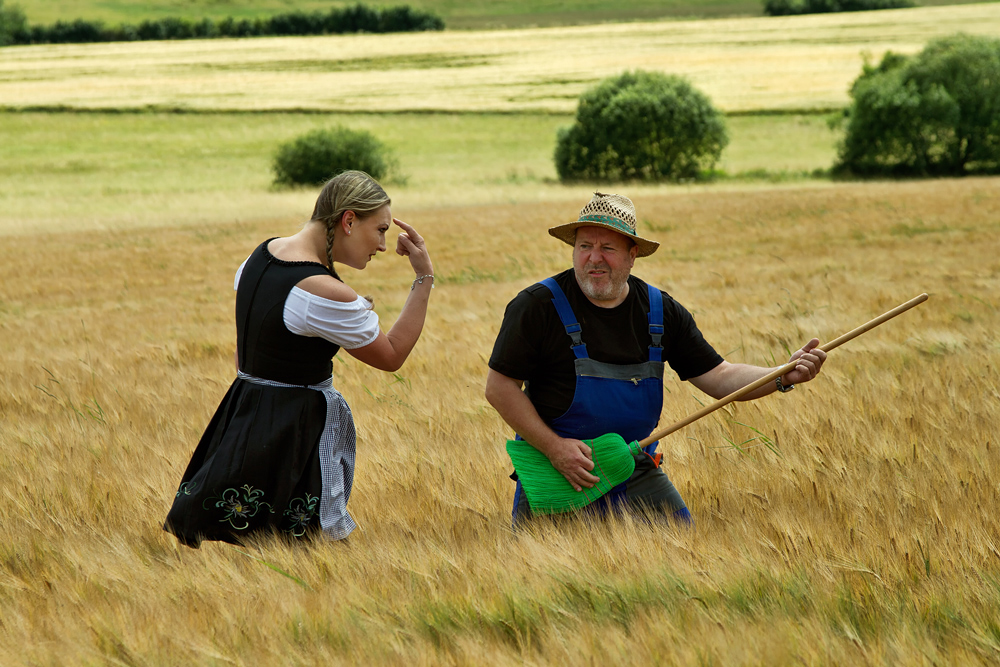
746	64
864	530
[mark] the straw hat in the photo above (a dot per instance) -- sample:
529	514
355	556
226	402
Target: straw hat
613	212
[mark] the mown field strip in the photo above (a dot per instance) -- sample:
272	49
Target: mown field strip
743	64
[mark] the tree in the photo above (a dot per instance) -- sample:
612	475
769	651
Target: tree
13	25
641	125
933	114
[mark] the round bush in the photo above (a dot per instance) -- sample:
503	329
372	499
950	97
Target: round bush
933	114
791	7
316	156
641	125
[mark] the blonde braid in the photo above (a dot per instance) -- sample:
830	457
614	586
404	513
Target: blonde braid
330	226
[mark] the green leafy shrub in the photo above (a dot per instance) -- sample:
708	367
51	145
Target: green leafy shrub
316	156
641	125
404	18
792	7
74	32
339	20
230	27
933	114
175	28
13	25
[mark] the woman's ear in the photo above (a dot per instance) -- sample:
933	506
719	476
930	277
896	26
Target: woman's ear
347	221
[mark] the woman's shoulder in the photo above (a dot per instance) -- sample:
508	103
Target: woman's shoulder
327	287
286	252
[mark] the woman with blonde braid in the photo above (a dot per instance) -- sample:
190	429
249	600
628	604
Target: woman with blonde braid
279	453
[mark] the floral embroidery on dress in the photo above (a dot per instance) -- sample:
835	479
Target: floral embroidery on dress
299	514
239	507
186	488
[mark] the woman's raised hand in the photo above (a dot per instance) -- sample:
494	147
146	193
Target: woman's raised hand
391	348
410	244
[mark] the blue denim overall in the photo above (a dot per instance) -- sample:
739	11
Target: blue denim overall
610	398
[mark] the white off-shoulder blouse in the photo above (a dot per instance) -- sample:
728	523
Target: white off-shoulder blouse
349	324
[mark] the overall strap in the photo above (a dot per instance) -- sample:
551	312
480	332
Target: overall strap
655	323
567	317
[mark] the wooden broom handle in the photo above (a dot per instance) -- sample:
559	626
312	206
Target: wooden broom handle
837	342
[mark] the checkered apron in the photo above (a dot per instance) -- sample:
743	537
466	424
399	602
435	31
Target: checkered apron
336	456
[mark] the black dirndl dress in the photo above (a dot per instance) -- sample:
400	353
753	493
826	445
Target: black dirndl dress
278	455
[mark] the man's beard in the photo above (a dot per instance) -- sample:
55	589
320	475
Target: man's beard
609	290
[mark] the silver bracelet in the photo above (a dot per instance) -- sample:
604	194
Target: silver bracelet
420	279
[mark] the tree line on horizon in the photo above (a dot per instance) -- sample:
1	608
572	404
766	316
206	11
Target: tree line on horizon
15	29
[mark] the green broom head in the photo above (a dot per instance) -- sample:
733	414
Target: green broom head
548	491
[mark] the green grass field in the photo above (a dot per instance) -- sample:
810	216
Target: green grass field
96	170
472	14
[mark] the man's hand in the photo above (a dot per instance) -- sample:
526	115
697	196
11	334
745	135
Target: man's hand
726	378
810	360
572	459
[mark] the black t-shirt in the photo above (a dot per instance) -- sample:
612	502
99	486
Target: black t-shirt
533	345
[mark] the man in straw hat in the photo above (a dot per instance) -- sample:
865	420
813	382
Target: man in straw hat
588	346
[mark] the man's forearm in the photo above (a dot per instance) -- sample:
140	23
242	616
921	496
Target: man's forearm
740	375
726	378
569	456
515	408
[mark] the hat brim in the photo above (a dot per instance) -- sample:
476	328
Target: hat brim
567	234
